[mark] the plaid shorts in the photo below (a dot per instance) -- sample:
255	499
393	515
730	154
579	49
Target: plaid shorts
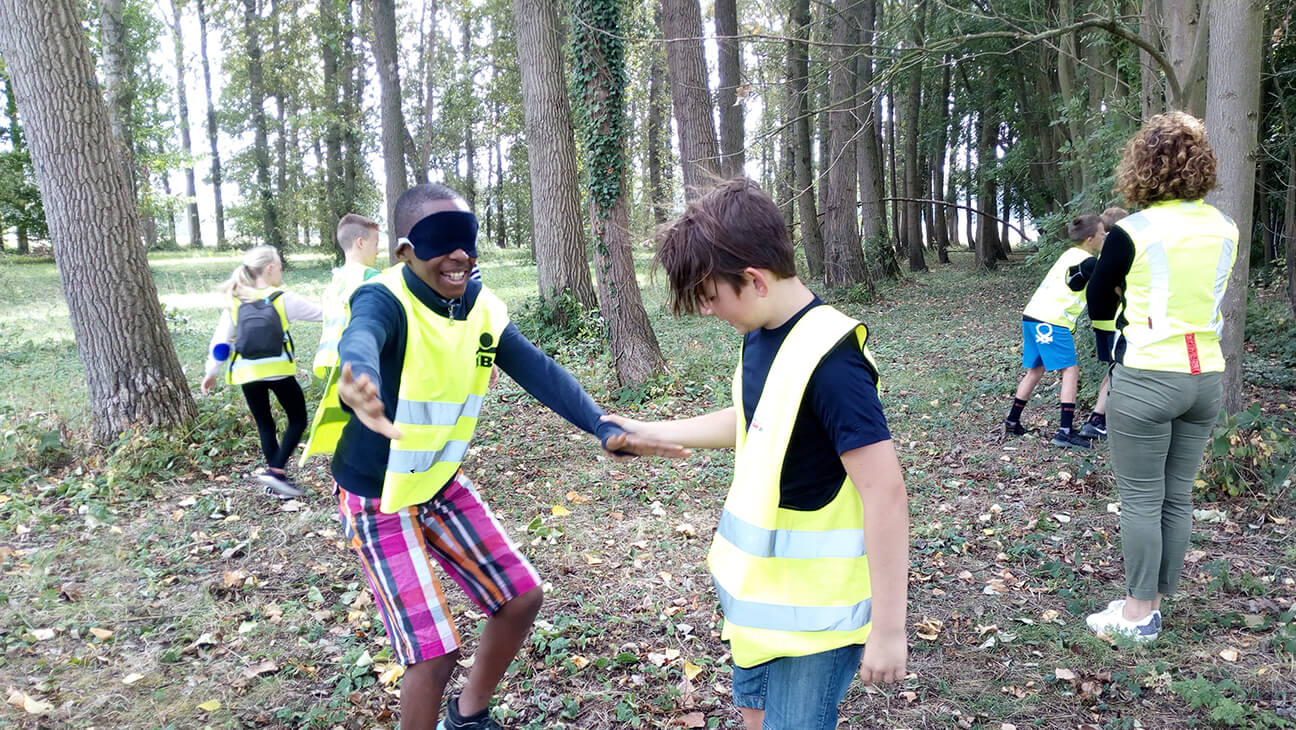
455	529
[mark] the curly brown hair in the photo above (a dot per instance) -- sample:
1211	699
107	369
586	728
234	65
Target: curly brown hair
1168	159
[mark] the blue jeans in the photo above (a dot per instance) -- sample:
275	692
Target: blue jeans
798	693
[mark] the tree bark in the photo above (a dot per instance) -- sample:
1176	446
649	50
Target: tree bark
798	85
912	175
732	137
987	238
658	132
872	213
897	216
843	256
260	145
1232	113
469	104
212	135
558	228
695	123
333	111
599	56
393	120
1187	49
1152	92
937	177
352	70
1289	221
182	111
131	369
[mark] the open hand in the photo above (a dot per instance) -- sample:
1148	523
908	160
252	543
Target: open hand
884	659
362	395
640	445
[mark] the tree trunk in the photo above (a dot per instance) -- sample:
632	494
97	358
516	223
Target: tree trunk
843	255
331	42
182	111
913	181
974	129
558	228
469	103
132	373
987	243
117	87
1232	113
872	211
352	69
212	135
1186	48
393	120
1066	75
897	222
798	85
1151	94
598	56
695	124
732	142
261	144
940	226
1289	221
658	132
501	237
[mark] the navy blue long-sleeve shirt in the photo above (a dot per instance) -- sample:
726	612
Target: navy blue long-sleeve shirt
374	344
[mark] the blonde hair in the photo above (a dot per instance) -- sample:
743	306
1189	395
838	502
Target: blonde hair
242	282
1168	159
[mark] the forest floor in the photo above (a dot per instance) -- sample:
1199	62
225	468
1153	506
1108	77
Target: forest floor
159	588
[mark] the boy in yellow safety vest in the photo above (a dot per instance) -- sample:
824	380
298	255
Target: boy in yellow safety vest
357	236
417	356
1048	323
810	557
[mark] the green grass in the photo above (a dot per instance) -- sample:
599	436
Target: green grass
202	581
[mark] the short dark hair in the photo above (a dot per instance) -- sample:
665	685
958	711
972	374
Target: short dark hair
409	206
1084	226
352	226
1111	215
732	227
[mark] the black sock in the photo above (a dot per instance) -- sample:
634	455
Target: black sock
1014	415
455	706
1068	416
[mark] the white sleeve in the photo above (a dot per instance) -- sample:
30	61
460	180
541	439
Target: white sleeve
224	334
301	309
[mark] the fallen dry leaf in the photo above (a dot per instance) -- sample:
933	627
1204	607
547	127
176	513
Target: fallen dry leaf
101	634
43	634
1064	674
132	678
577	498
579	661
256	670
560	511
691	670
1229	655
929	628
692	719
210	706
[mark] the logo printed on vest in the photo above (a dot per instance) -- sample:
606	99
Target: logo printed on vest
486	353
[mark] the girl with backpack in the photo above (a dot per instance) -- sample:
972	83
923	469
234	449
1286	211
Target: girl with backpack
251	343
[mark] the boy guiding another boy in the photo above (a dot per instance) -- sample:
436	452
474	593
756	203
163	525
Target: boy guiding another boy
810	557
1048	322
416	357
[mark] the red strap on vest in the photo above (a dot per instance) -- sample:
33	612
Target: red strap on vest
1194	363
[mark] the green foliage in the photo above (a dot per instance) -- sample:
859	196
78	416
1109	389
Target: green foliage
1217	699
31	443
1249	455
559	327
1269	328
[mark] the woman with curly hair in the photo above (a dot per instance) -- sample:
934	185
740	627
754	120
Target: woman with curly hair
1161	278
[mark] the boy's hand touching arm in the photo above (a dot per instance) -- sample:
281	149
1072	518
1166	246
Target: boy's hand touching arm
715	430
875	471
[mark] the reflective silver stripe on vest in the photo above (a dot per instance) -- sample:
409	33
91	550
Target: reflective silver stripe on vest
436	413
794	544
415	462
1222	270
241	362
777	617
1159	286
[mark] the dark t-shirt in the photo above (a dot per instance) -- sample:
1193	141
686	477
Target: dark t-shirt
839	412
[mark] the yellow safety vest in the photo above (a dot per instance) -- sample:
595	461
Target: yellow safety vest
1053	301
345	280
1183	256
791	582
243	370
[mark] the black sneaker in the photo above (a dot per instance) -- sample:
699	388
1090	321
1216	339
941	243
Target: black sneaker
454	721
1092	430
1011	428
280	484
1068	440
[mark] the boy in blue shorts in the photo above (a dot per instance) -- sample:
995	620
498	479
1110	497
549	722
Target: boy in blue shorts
810	558
1048	323
417	357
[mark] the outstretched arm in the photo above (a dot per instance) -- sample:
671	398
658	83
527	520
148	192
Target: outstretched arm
875	471
715	430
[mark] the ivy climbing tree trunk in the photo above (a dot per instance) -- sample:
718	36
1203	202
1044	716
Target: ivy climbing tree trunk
599	71
131	368
558	229
1232	116
694	120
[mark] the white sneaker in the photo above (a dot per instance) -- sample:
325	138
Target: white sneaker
1109	623
280	484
